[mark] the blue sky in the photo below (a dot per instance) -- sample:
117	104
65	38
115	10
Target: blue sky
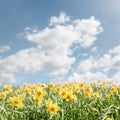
59	40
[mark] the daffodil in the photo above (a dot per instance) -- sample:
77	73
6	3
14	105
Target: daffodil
70	96
108	118
63	93
37	100
51	85
3	95
87	94
16	101
81	84
40	93
8	88
88	89
53	108
95	95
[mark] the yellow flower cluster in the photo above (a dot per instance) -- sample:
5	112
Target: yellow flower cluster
39	94
16	101
67	94
95	95
8	88
52	108
3	95
51	96
87	91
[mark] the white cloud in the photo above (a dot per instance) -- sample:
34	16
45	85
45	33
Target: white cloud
59	73
78	33
88	77
4	48
105	62
86	65
102	66
7	78
63	18
115	51
110	60
94	77
53	51
116	78
116	62
94	49
87	28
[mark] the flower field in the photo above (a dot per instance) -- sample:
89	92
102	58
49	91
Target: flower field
68	101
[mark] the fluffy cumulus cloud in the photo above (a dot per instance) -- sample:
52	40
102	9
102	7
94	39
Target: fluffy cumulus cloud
4	48
101	66
116	78
53	47
63	18
94	49
88	77
7	77
86	65
115	50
